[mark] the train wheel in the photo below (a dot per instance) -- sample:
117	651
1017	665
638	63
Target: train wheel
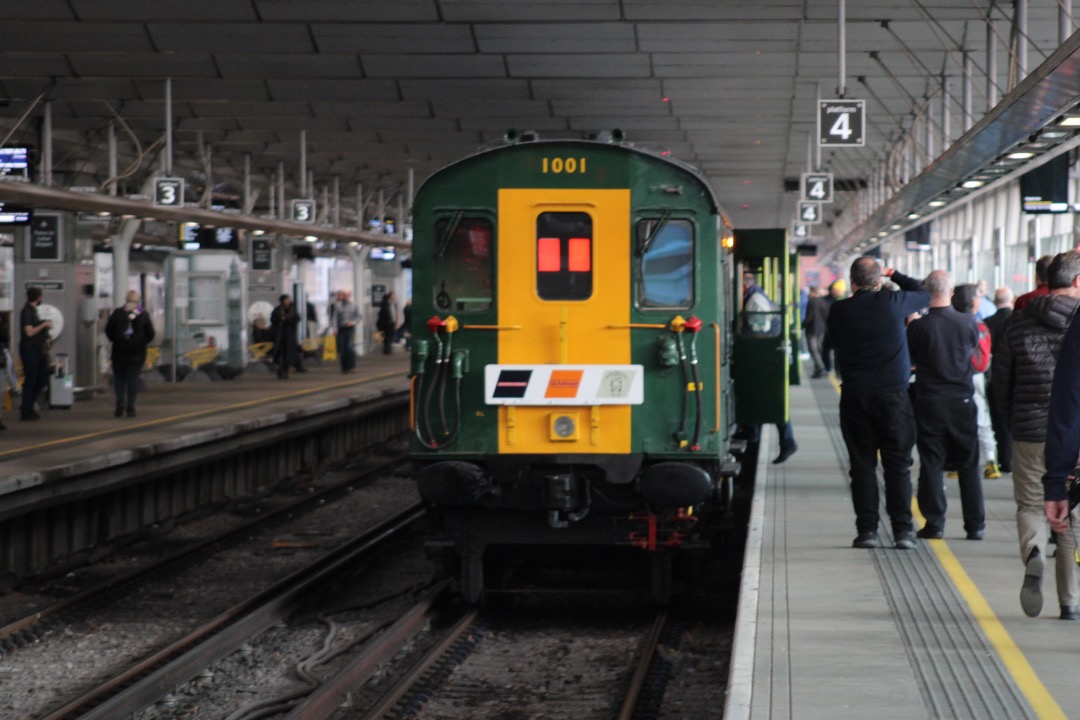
661	578
472	576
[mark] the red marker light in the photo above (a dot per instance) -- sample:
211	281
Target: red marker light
435	323
547	255
580	259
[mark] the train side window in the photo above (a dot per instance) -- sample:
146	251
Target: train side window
464	264
564	255
665	269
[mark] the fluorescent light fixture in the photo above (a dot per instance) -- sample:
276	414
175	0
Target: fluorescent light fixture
311	238
937	203
1070	121
258	232
103	214
972	184
897	226
883	233
1053	134
1020	155
913	216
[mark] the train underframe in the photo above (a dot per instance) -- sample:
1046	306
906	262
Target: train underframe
655	506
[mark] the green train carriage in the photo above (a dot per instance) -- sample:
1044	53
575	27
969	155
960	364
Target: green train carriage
572	304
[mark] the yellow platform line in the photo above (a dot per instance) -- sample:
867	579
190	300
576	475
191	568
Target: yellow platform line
128	427
1014	659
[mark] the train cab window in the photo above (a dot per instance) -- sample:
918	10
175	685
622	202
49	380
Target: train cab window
665	269
564	255
464	264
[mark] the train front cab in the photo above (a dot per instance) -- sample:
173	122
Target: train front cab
579	408
762	357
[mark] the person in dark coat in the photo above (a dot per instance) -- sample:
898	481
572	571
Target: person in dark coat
33	341
1024	365
1062	433
283	324
941	346
387	321
817	311
875	410
1003	299
130	330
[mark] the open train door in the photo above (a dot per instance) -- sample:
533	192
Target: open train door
794	318
763	295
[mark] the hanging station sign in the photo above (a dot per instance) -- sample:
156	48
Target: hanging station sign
841	123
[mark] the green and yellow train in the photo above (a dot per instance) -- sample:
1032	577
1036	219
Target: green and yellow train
573	329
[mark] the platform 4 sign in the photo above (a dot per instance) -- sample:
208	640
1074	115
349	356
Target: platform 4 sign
842	123
817	187
809	212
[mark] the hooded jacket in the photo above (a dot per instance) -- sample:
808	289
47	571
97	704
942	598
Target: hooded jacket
1024	363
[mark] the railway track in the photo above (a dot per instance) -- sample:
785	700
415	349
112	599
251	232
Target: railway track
60	653
30	628
149	679
469	661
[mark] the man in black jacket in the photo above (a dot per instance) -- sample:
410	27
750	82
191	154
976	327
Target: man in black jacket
1024	366
130	330
867	331
817	312
1003	299
941	346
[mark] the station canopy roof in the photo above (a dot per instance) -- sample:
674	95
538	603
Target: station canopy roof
379	87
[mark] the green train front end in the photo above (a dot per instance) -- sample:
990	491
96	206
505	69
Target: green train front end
570	356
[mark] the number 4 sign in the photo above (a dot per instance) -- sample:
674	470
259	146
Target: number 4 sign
809	212
842	123
817	187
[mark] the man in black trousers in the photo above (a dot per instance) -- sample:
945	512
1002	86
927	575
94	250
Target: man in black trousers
941	346
867	330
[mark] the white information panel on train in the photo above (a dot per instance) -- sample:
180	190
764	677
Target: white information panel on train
564	384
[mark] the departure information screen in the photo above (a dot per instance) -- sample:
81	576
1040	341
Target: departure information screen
14	161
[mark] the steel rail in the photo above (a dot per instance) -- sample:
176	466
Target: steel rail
149	679
637	682
198	550
327	700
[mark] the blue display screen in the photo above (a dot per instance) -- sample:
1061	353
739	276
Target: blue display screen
14	214
14	161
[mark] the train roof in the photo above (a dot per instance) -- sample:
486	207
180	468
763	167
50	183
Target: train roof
651	154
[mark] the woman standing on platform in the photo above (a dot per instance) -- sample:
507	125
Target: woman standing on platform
283	323
130	330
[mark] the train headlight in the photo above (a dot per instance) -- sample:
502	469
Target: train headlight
563	427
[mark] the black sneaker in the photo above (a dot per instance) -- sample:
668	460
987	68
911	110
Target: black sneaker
865	540
976	534
119	411
929	533
1070	612
785	453
1031	599
32	415
905	540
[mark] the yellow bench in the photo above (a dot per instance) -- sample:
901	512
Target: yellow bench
201	356
153	354
259	351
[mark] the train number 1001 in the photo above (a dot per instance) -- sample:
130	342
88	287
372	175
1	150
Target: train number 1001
562	165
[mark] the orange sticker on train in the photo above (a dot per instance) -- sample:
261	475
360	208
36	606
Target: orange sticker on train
564	383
